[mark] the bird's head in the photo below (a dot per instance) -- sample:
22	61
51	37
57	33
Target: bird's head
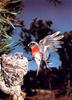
34	47
32	43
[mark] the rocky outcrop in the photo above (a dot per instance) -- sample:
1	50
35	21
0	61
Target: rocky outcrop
13	68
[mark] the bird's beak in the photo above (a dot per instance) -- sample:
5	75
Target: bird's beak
29	45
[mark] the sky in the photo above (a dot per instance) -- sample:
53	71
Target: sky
61	15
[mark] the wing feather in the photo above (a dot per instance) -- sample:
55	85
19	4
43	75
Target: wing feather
58	37
55	34
51	42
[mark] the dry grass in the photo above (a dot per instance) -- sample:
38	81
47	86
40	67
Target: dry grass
40	95
3	3
47	95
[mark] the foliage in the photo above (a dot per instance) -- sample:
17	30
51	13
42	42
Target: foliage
38	30
66	58
8	12
55	2
66	51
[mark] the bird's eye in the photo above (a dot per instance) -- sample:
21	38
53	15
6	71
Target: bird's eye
32	44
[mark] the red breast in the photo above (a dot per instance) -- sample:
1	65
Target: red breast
35	49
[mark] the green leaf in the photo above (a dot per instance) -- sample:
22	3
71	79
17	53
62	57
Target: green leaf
6	35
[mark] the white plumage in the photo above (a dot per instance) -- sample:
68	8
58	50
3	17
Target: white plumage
40	51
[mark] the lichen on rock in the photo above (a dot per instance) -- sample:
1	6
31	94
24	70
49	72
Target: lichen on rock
13	68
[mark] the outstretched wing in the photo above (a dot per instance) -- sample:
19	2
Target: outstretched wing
50	42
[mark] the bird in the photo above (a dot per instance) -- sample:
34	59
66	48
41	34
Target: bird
40	50
13	67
